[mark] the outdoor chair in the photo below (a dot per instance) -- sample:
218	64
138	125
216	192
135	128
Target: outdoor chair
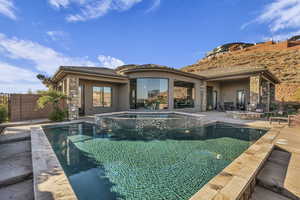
228	105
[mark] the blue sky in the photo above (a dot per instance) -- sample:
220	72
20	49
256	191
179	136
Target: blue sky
37	36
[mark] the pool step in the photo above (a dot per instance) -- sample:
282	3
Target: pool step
261	193
19	191
11	134
16	164
272	175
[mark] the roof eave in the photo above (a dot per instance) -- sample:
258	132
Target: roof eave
270	75
171	70
57	76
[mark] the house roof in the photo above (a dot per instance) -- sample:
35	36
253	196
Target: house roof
236	71
122	71
125	69
102	71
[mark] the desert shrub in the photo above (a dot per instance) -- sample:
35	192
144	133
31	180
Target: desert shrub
54	98
3	113
58	115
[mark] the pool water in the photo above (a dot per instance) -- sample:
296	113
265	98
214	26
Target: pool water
174	164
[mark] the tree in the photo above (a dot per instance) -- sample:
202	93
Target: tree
54	98
47	81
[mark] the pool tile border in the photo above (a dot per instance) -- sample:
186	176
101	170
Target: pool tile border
237	180
49	180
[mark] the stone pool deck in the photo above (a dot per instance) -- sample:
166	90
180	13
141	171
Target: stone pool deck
237	181
16	182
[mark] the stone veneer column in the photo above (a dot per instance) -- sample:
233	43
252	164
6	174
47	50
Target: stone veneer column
203	96
269	96
198	100
254	90
73	97
171	94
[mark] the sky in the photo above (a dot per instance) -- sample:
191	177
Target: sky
38	36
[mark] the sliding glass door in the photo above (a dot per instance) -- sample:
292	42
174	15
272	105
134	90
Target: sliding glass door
149	93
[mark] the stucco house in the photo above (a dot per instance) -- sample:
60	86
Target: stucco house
94	90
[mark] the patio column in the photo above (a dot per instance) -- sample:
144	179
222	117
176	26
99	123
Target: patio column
203	96
197	101
269	96
73	97
254	90
171	94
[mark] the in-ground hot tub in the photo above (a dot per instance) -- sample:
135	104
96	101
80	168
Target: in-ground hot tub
173	161
148	122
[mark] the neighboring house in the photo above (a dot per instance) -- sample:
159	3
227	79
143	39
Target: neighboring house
95	90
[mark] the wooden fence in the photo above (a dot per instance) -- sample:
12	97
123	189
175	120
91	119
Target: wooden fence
24	107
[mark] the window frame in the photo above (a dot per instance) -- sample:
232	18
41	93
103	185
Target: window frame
102	102
135	100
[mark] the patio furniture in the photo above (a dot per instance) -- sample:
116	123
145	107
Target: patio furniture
245	115
279	119
228	105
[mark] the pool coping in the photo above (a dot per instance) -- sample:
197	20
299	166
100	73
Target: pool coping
51	182
237	180
49	179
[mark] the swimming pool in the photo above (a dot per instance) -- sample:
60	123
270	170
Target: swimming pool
129	164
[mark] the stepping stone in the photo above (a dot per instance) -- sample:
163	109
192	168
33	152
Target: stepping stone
11	149
15	168
280	157
19	191
261	193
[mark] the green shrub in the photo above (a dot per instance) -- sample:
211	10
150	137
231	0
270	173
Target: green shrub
3	113
58	115
54	98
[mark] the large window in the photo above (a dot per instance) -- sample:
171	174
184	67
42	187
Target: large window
102	96
149	93
184	94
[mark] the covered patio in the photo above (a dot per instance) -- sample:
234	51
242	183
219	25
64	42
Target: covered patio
241	88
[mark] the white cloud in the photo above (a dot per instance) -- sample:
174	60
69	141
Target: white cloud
110	62
10	73
45	59
56	35
281	14
7	8
15	79
281	37
21	87
59	3
91	9
64	3
95	9
155	5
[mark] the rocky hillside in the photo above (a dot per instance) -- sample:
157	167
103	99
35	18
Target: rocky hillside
282	59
